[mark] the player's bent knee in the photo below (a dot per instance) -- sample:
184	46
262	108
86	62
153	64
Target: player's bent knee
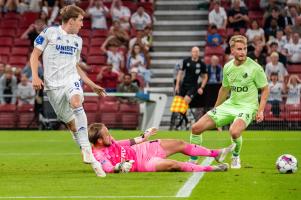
196	128
235	133
174	167
71	126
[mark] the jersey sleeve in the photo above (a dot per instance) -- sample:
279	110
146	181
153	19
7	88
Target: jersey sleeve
42	40
183	67
225	82
79	49
260	78
204	69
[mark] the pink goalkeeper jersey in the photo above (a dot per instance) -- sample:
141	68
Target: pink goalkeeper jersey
119	151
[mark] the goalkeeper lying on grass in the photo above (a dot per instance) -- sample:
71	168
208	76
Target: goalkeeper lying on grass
140	155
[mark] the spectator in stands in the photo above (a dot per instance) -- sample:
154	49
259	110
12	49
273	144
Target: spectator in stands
136	79
148	35
297	27
137	60
238	16
114	57
25	92
51	8
280	40
271	31
259	55
2	69
218	16
276	67
255	30
34	30
228	55
119	33
139	39
288	34
98	14
127	87
27	71
275	18
273	47
8	86
293	90
275	97
108	78
293	49
121	13
213	38
292	14
215	72
140	19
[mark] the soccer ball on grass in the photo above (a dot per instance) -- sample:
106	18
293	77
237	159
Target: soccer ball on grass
287	164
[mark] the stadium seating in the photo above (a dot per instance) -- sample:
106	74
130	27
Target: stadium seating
268	115
293	112
129	115
26	116
109	113
8	115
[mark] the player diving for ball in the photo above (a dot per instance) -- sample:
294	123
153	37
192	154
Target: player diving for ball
61	48
140	155
243	77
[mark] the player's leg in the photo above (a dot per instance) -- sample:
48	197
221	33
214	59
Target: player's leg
237	127
203	124
167	165
172	146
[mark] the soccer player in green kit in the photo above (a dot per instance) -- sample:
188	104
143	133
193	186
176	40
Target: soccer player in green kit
243	77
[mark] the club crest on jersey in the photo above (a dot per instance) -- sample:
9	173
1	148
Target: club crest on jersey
188	64
58	38
76	44
39	40
245	75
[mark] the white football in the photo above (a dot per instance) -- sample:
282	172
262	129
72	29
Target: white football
287	164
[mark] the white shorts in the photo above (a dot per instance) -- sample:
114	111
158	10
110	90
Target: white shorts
60	100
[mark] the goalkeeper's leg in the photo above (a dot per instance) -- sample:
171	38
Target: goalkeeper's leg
203	124
166	165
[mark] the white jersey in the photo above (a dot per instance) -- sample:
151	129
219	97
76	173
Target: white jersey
140	22
293	94
61	53
275	91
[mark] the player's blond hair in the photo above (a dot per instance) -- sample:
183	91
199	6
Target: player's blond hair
238	39
71	12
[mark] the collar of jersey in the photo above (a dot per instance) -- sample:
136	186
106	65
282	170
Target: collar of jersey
62	30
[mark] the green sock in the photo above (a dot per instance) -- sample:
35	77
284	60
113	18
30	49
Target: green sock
195	139
238	142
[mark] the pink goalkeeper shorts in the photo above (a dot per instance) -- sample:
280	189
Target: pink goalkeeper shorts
148	155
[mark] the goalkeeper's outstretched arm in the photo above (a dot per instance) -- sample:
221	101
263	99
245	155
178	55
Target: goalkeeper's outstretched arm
142	138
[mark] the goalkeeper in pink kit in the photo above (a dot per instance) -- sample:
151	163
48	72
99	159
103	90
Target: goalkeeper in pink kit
140	155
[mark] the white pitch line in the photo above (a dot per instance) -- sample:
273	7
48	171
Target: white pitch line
83	197
190	184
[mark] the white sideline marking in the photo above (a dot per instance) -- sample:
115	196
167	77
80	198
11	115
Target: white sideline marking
190	184
83	197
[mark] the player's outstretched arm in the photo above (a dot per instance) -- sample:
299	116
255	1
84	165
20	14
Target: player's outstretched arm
37	83
222	95
96	88
265	91
142	138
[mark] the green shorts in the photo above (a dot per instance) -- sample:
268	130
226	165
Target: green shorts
227	113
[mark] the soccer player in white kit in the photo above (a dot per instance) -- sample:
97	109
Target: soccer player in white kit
61	48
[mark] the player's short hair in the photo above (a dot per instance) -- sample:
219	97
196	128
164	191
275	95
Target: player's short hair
94	132
237	39
71	12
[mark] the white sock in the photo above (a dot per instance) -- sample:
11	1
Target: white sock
81	124
75	137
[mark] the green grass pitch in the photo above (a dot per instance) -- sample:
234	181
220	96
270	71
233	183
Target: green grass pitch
48	165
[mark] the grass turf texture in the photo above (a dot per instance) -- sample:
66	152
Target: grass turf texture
36	163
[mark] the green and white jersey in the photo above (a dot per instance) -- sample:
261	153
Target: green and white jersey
244	81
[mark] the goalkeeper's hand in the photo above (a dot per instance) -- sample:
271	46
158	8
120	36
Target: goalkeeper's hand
124	167
149	132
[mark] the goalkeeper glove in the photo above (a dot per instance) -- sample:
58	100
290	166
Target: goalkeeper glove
124	167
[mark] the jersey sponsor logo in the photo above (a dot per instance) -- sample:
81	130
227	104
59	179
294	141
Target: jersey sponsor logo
123	154
239	89
66	49
39	40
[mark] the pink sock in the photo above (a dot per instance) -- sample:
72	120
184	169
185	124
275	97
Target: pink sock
190	167
195	150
